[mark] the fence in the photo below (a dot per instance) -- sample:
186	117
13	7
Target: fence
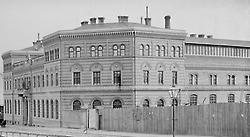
226	119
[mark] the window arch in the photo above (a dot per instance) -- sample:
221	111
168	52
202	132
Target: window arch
117	103
212	98
115	50
145	103
142	50
193	99
71	52
147	50
123	50
76	105
100	50
78	52
157	52
173	51
162	50
231	98
96	103
92	51
160	103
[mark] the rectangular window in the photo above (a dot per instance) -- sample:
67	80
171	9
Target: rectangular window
46	56
47	80
52	108
117	77
96	78
51	79
174	78
57	80
34	81
47	108
76	78
57	53
146	76
38	108
43	114
57	109
15	107
43	80
51	55
19	107
160	77
38	81
34	103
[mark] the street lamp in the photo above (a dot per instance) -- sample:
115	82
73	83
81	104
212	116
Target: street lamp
173	93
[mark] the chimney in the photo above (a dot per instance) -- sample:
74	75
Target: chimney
209	36
122	19
167	22
92	20
84	23
148	21
193	35
101	20
201	36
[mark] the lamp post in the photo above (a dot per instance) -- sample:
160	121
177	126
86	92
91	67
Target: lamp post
173	93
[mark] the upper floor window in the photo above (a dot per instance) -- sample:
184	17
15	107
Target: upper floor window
193	79
78	52
57	53
100	51
117	77
231	98
213	79
174	78
160	77
57	79
142	50
173	51
52	54
193	99
247	98
51	79
146	76
38	81
178	51
145	103
122	50
51	108
247	79
212	98
231	79
92	51
57	109
147	50
76	105
163	51
71	52
96	77
160	103
47	56
76	78
158	53
115	50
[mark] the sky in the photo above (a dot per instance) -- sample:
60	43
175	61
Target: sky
21	20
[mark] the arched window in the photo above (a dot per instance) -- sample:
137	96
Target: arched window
157	51
147	50
173	51
162	50
115	50
193	99
178	52
57	109
122	50
76	105
51	108
96	103
231	98
142	50
100	50
160	103
145	103
78	52
117	103
212	98
92	51
71	52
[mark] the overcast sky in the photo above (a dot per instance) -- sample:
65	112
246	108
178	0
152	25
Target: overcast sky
21	20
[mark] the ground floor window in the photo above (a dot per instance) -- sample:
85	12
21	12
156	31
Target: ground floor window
160	103
145	103
193	99
212	98
231	98
96	103
76	105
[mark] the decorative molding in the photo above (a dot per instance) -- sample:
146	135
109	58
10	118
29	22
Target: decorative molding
116	66
76	67
95	67
146	66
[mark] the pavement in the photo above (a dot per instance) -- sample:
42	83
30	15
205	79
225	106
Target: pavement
75	132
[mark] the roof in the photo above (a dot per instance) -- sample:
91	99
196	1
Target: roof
213	41
112	27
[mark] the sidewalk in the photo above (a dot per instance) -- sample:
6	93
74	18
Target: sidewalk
79	132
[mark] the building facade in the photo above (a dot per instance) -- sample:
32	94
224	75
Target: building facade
118	65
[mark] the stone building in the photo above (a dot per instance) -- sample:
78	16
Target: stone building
121	64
